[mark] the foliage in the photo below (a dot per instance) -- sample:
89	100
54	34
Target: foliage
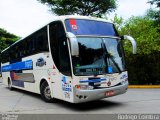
145	33
144	67
118	21
81	7
156	14
156	2
6	39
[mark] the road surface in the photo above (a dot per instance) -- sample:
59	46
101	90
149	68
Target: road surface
134	101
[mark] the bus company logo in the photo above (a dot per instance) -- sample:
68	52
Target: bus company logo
73	24
74	27
65	85
40	62
123	76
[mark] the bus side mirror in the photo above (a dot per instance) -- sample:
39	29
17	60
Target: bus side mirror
132	40
73	44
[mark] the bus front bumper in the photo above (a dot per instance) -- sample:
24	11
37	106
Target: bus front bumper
95	94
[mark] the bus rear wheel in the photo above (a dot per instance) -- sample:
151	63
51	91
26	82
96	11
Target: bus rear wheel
46	92
10	84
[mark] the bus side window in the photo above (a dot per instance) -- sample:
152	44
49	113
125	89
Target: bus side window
30	45
21	49
41	40
5	56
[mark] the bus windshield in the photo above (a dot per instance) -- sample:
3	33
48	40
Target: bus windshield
94	60
97	54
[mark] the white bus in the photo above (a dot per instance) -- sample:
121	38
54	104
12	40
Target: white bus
73	58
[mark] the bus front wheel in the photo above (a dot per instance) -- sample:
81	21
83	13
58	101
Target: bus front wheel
46	92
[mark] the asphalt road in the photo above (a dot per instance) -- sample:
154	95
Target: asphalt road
134	101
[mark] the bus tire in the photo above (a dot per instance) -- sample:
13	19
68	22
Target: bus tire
10	84
46	92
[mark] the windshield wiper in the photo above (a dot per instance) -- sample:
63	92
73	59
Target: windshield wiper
109	56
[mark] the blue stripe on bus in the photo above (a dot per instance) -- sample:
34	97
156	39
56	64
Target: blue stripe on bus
18	66
94	80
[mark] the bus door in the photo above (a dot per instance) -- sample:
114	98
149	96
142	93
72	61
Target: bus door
62	87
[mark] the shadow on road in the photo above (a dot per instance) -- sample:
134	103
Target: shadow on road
98	104
87	106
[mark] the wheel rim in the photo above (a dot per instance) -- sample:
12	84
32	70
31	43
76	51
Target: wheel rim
47	92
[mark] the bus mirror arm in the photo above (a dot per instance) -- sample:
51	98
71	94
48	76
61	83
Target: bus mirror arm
132	40
74	47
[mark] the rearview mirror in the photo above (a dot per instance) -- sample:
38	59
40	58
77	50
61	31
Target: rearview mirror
132	40
73	44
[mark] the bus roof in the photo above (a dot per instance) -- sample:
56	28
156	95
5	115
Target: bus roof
62	18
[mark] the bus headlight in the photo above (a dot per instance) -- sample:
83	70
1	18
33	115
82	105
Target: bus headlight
84	87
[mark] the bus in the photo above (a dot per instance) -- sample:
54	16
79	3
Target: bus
73	58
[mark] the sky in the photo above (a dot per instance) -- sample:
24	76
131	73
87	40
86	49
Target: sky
22	17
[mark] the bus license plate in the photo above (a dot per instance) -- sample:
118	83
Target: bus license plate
109	93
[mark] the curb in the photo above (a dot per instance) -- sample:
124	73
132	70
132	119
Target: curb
144	86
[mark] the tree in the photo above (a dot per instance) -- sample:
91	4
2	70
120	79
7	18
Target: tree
81	7
157	2
144	67
156	14
6	39
145	33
